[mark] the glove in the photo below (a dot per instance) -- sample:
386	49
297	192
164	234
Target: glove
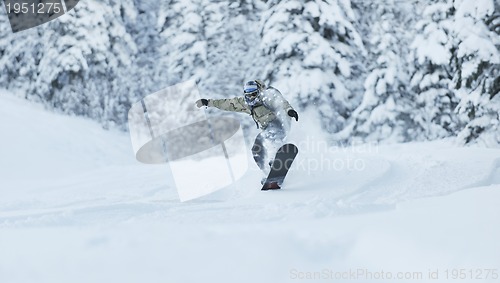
292	113
202	102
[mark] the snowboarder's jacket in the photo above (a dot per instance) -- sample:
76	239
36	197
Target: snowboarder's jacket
270	105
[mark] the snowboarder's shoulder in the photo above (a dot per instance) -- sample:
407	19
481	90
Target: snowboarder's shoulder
271	91
272	88
271	94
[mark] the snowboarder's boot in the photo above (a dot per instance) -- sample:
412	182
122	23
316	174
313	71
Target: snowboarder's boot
271	186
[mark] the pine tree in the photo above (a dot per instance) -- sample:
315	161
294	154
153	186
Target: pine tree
313	50
232	41
431	80
387	109
476	59
183	54
73	63
19	55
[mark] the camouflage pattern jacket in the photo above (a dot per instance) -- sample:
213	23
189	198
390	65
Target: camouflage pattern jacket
271	105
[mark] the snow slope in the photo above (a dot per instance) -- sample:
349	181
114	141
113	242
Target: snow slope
75	206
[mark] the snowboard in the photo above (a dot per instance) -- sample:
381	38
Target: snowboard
281	164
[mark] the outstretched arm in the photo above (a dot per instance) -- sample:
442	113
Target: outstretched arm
236	104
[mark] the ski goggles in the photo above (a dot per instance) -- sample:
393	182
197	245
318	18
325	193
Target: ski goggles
252	94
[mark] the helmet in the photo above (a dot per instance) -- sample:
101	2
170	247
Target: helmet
252	89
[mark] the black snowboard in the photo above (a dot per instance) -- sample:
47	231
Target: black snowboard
282	162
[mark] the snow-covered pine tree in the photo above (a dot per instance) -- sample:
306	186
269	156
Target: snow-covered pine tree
183	50
73	63
19	55
233	41
137	80
141	25
431	56
387	109
476	62
213	42
313	50
77	71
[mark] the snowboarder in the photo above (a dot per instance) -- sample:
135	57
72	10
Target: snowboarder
270	111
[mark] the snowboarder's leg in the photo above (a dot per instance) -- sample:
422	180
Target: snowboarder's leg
267	144
275	135
259	152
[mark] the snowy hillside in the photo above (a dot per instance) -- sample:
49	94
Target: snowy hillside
76	207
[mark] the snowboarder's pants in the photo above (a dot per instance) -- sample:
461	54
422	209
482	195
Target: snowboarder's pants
267	144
